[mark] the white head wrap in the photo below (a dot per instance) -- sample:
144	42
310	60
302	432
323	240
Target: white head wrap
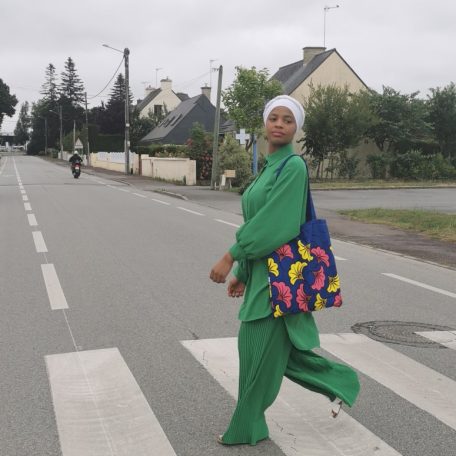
293	105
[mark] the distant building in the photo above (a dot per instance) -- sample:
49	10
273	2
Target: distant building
160	100
175	127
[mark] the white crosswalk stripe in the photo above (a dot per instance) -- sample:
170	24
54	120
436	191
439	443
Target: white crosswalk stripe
100	409
404	376
299	426
446	338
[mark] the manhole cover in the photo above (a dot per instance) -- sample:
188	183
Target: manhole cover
399	332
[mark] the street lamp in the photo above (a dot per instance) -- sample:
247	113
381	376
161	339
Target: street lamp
326	9
126	53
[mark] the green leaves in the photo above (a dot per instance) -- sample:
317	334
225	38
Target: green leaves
246	97
7	101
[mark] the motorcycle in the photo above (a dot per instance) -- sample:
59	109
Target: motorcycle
76	170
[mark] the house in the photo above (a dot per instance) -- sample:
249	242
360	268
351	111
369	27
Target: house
320	67
161	100
175	127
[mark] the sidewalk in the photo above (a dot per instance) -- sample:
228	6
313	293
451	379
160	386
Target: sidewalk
341	227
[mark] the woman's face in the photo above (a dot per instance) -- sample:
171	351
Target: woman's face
280	127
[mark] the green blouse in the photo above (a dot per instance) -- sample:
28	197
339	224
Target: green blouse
274	208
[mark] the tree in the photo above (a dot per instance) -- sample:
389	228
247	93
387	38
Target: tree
49	88
246	97
113	118
199	147
7	102
141	126
71	88
442	116
336	120
401	123
22	130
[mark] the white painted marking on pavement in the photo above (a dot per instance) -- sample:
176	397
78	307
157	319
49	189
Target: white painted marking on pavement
25	198
122	189
446	338
32	220
338	258
161	202
40	245
227	223
139	194
100	408
189	210
27	206
299	420
57	299
420	284
23	192
416	383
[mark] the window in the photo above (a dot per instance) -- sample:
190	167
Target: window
158	109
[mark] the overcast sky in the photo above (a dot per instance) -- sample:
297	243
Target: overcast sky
406	44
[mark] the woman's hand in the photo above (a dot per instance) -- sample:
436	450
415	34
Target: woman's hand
236	288
222	268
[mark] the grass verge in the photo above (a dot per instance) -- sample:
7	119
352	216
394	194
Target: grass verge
436	225
375	184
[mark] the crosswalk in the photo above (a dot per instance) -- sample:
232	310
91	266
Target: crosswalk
101	410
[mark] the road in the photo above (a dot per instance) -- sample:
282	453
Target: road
114	342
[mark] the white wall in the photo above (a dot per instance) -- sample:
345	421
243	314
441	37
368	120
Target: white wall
170	169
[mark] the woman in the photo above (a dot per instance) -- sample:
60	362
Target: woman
274	208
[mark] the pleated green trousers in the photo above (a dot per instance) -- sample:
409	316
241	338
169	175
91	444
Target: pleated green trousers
266	355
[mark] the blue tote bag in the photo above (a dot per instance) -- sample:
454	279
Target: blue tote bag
302	273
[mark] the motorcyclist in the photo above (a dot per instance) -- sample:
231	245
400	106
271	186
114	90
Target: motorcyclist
75	158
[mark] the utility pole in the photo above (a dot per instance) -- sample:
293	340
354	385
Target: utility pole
61	132
215	172
74	135
87	130
45	136
127	113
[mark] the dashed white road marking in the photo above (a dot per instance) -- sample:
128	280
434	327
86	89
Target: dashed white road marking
227	223
445	338
160	201
189	210
100	408
38	239
25	198
420	284
32	220
57	299
27	206
23	192
338	258
122	189
299	420
424	387
139	194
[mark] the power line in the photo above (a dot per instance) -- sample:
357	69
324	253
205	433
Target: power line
109	82
191	81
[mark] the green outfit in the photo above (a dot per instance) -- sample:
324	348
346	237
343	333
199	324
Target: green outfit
274	208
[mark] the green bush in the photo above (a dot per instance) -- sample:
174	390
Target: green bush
199	148
348	165
441	168
234	156
378	165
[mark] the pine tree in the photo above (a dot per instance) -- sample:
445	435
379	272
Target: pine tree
49	88
113	121
22	130
71	87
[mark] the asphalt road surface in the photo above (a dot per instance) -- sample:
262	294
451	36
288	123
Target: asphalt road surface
113	341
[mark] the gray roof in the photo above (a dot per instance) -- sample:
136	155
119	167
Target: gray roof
174	128
150	96
293	75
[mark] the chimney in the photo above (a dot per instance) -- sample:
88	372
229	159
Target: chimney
147	90
206	90
166	84
310	52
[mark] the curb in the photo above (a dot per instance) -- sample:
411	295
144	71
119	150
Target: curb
174	195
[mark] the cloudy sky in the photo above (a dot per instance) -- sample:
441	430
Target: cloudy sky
406	44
